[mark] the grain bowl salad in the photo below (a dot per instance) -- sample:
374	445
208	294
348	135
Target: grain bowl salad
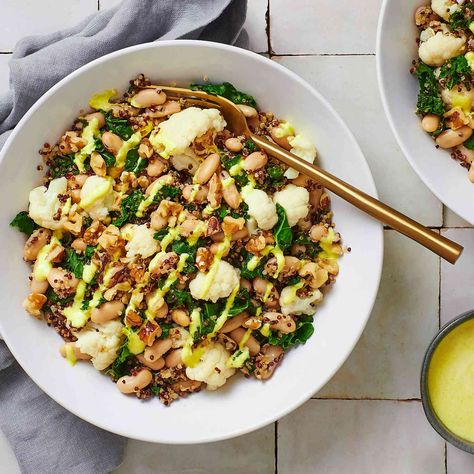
170	253
444	69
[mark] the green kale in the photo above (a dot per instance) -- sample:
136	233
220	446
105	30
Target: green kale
155	390
429	99
166	192
122	363
283	234
458	20
250	274
89	252
456	71
55	299
24	223
134	163
226	90
275	175
179	298
129	208
294	280
107	156
75	262
61	165
250	145
160	234
119	126
229	161
469	143
241	302
165	330
304	330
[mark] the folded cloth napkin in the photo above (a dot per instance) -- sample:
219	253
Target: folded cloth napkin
45	437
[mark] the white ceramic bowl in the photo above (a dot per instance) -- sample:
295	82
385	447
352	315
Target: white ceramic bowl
243	405
396	49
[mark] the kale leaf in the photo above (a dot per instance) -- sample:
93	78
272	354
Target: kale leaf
121	365
107	156
304	330
134	163
129	207
250	145
119	126
55	299
75	262
165	330
165	192
227	90
283	234
429	100
241	302
456	71
24	223
229	161
61	165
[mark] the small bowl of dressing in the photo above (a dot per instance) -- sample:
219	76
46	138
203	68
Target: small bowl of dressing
447	382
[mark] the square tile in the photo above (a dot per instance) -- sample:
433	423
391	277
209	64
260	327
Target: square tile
252	453
4	72
256	25
358	436
456	280
387	359
323	26
21	18
459	462
450	219
350	85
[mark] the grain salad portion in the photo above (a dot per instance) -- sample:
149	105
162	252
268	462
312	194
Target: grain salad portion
444	69
170	253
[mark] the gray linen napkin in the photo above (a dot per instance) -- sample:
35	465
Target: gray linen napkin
45	437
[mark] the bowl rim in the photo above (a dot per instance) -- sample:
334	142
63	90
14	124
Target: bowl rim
371	189
430	414
445	198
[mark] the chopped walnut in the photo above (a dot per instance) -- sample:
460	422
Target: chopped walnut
71	142
92	233
231	225
204	258
33	304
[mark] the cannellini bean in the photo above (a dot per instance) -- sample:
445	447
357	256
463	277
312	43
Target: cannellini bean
215	247
148	98
168	108
38	286
160	347
229	191
180	316
244	283
255	161
107	312
173	358
239	235
267	361
37	240
233	144
155	365
248	111
430	123
279	322
96	115
252	343
134	383
155	167
62	281
260	285
207	168
98	164
79	245
112	142
451	138
77	181
188	227
76	351
199	196
234	323
317	232
157	221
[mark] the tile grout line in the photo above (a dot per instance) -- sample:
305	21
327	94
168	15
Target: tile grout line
445	457
276	446
267	30
98	5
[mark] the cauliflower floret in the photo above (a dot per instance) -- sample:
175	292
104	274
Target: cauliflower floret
212	368
101	342
186	161
97	196
224	281
261	208
458	96
444	8
302	147
44	203
182	128
295	201
141	241
437	49
290	303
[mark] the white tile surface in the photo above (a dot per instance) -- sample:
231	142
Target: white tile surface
252	453
358	437
459	462
456	281
386	362
8	464
256	24
453	220
4	72
20	18
350	85
323	26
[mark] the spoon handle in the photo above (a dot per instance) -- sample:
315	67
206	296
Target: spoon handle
433	241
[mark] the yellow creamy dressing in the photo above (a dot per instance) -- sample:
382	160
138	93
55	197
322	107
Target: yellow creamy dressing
156	187
42	265
451	381
127	145
197	232
291	295
89	133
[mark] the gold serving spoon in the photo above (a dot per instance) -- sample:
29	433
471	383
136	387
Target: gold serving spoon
237	122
